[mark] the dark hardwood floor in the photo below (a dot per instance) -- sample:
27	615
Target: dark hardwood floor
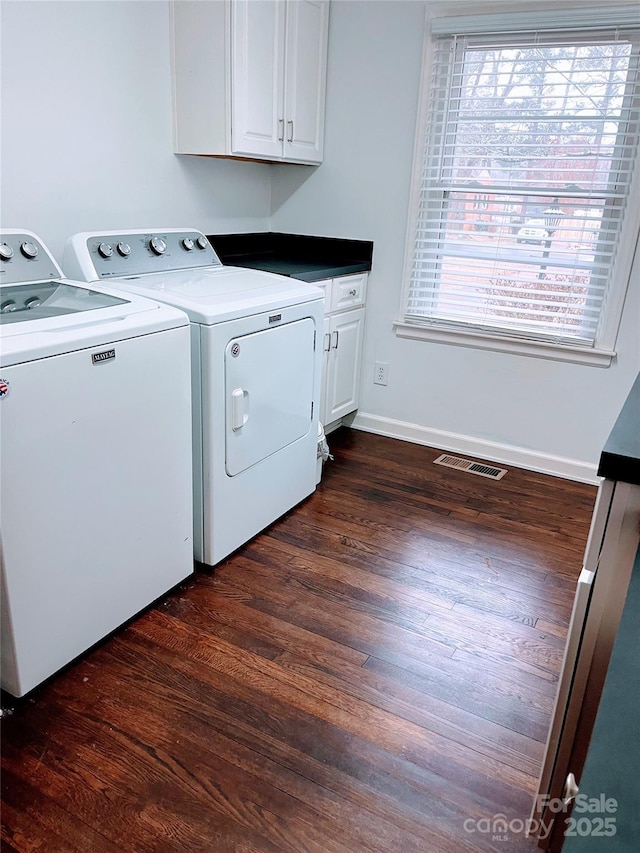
375	672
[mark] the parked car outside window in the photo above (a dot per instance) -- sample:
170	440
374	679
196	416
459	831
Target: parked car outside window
533	231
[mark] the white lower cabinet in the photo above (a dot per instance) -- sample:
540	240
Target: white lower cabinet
343	364
342	345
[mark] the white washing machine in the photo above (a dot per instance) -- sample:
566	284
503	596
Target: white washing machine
95	412
256	360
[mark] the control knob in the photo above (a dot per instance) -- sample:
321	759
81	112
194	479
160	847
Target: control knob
28	249
32	302
6	252
187	244
105	250
157	245
8	306
202	242
124	249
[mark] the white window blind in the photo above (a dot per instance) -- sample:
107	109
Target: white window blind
524	182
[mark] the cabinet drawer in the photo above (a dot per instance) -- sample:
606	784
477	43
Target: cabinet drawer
348	292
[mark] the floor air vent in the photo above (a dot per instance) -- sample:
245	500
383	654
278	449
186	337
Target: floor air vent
471	467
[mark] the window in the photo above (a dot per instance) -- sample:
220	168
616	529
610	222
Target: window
521	187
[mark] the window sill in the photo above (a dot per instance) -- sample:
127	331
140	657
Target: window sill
503	343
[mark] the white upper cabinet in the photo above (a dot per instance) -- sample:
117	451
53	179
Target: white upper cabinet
249	78
257	77
305	79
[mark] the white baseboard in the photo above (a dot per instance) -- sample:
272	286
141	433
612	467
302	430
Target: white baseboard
491	451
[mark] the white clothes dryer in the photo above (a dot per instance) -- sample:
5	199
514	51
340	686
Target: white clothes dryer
95	406
256	361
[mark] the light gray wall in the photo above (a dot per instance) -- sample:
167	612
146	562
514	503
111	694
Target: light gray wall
86	143
86	128
362	190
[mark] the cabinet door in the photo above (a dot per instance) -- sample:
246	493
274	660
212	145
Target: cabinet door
343	378
326	350
257	77
305	75
199	57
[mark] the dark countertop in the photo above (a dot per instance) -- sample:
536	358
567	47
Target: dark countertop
296	255
620	459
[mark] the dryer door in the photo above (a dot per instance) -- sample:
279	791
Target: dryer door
268	392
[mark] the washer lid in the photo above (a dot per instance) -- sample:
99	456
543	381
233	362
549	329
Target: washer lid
215	294
21	303
74	317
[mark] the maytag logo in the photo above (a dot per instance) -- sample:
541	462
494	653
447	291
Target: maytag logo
105	355
275	318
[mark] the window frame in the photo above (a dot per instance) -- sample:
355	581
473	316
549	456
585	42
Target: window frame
603	350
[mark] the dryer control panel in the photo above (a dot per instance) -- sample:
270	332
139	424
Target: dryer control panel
126	254
25	258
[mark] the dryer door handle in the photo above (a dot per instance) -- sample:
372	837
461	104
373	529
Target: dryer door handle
239	408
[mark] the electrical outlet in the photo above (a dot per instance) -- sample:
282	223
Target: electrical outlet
381	373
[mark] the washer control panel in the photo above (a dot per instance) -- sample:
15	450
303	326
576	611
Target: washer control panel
24	258
132	253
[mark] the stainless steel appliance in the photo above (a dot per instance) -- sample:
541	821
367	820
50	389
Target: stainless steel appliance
602	587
